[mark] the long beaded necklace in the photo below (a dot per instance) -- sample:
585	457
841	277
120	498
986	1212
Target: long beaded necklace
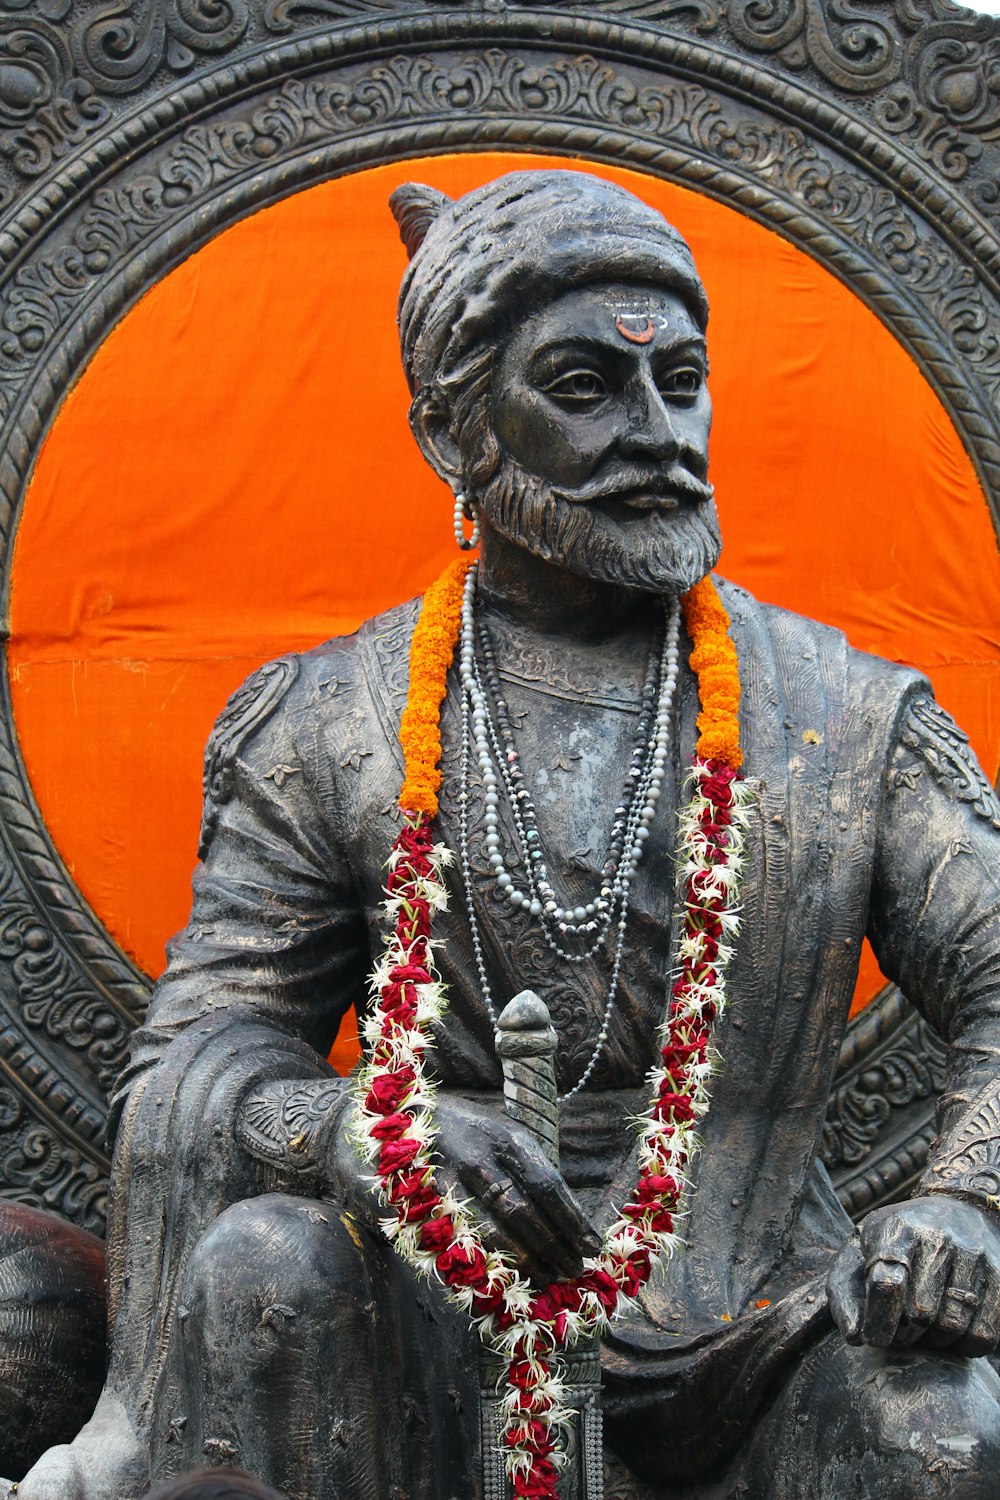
486	727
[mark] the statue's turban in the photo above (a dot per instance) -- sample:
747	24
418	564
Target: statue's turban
512	245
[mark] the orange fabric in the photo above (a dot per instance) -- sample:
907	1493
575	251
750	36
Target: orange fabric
234	477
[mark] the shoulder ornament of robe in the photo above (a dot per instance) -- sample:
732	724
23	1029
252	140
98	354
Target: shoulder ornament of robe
285	1124
249	707
933	736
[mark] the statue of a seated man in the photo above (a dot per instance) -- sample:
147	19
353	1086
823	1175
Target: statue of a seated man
552	331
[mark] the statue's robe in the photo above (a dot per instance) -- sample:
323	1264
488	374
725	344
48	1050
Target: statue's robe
868	818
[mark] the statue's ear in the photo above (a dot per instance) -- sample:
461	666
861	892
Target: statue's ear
430	422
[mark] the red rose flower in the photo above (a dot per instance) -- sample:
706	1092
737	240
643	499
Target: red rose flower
415	973
539	1484
460	1267
603	1286
653	1186
388	1091
396	1156
390	1127
678	1105
436	1234
414	1197
486	1302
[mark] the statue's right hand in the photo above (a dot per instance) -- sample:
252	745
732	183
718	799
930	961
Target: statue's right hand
522	1201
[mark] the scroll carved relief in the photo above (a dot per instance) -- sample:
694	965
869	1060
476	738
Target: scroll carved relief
879	1120
119	47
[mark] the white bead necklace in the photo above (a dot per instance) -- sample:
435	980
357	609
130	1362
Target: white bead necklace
598	915
499	768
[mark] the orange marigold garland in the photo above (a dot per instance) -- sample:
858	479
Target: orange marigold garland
431	653
433	1230
713	661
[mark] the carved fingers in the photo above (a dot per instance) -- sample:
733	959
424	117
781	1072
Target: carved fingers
928	1281
536	1212
886	1283
527	1207
862	1307
927	1271
518	1224
968	1317
545	1185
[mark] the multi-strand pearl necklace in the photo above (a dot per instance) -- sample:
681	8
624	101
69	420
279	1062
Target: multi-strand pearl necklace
487	728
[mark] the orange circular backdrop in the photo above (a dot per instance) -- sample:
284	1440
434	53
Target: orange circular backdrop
234	477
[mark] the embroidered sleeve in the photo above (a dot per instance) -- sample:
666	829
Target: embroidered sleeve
967	1163
935	926
249	707
937	745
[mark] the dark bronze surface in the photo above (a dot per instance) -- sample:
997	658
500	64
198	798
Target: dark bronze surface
52	1332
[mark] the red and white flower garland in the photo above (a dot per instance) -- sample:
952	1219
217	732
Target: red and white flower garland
431	1228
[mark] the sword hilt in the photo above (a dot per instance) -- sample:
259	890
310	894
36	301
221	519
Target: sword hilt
526	1047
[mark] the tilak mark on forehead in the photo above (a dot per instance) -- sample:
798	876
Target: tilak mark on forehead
638	327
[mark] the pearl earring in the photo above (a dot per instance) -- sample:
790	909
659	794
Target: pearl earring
466	510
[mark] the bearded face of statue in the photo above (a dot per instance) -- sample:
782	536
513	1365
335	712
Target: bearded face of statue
601	414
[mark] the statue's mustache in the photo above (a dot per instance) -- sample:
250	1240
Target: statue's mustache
595	538
675	482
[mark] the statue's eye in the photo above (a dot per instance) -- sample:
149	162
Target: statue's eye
682	384
577	388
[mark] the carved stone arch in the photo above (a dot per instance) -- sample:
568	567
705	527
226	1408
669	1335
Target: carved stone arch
867	140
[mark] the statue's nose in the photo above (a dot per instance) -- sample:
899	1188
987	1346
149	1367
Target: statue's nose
649	428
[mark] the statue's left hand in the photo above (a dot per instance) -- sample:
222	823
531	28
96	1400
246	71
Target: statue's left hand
924	1271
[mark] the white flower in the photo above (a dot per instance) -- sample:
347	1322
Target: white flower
371	1027
379	977
692	945
437	898
517	1298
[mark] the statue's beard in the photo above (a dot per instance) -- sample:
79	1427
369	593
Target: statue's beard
659	550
